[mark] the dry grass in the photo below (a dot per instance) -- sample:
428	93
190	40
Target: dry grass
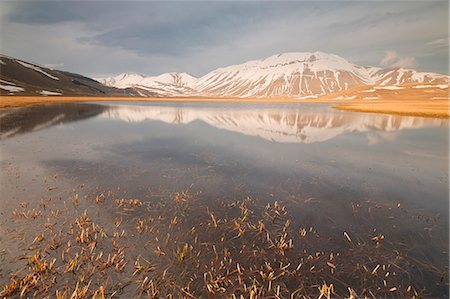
233	249
409	100
429	108
22	101
426	102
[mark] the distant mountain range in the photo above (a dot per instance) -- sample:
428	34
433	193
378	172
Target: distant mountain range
168	84
293	75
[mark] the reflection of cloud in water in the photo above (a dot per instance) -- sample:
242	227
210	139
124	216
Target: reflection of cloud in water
376	137
280	125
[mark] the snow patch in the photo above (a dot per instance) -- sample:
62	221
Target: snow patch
368	90
11	88
389	87
345	98
50	93
371	98
7	82
423	86
308	97
2	62
441	86
37	69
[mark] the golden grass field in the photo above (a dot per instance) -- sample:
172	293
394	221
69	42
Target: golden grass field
21	101
431	108
432	101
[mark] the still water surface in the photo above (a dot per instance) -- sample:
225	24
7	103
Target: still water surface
367	175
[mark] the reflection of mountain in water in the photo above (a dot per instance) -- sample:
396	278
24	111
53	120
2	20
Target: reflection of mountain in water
22	120
280	125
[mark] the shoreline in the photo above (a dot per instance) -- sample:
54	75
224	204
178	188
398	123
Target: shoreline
419	108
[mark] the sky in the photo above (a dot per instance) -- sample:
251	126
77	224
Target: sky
104	38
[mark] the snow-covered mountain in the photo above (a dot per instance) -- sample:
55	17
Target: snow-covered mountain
298	75
288	74
167	84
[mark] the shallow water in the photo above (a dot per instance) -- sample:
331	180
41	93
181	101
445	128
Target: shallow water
335	171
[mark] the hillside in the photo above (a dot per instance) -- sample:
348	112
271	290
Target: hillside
18	77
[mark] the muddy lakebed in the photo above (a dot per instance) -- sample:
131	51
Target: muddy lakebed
222	200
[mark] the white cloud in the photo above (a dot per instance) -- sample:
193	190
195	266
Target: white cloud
389	57
393	60
377	137
441	42
406	62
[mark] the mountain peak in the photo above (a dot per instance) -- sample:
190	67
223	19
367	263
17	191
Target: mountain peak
304	57
295	62
301	55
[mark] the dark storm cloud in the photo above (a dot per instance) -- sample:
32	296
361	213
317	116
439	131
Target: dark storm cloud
146	27
45	12
168	37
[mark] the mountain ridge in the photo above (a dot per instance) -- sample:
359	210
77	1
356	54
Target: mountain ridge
291	74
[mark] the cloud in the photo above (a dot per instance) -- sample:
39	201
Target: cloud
441	42
393	60
405	62
377	137
43	13
146	28
389	57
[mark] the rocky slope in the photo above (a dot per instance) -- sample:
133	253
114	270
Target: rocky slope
18	77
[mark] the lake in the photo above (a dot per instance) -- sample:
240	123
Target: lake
191	199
